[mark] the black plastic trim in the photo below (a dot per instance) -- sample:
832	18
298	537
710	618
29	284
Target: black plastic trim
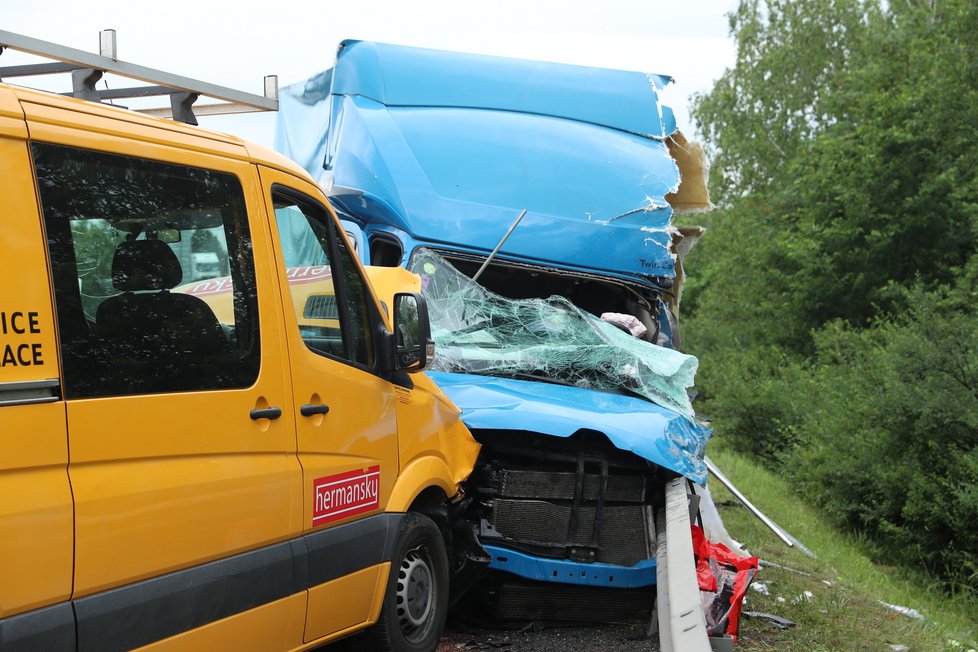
151	610
342	550
51	629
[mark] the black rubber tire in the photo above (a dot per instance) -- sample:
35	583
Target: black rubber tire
419	554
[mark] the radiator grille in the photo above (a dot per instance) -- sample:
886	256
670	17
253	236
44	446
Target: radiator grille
622	539
560	486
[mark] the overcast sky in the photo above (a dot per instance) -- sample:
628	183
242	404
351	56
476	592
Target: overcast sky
236	42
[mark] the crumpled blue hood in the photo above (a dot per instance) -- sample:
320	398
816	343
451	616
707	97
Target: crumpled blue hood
646	429
450	147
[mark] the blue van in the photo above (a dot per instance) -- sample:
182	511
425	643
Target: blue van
430	157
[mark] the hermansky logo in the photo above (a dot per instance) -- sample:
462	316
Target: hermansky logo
345	494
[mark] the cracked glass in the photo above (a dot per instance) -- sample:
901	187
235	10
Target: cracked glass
477	331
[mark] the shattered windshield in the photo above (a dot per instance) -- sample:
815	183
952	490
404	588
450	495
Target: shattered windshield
477	331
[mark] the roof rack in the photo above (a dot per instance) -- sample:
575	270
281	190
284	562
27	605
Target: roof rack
87	69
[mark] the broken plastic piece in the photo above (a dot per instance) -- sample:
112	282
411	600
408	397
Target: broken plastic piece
777	622
904	611
804	596
479	332
692	195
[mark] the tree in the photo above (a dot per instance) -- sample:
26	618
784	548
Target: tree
844	145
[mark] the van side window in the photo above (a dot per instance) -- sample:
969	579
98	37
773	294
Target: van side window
153	274
328	294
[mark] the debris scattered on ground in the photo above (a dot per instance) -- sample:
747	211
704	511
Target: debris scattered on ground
777	622
899	648
761	588
804	597
904	611
547	637
488	644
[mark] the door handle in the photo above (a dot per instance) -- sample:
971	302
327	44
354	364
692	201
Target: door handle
312	409
266	413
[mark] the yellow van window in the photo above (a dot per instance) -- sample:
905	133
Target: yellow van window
153	274
328	294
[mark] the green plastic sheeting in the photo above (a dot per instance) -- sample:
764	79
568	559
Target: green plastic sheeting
477	331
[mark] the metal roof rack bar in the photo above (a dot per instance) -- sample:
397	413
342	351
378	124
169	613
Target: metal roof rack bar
87	69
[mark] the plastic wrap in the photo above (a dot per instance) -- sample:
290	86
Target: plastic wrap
723	577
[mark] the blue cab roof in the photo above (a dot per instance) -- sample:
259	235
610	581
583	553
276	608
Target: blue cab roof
450	148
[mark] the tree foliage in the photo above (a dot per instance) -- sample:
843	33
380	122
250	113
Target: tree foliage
833	299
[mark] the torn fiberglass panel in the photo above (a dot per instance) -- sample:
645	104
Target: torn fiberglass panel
477	331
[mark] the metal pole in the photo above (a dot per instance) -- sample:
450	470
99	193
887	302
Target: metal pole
496	250
748	504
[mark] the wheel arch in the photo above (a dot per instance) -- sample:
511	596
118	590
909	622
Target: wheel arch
419	483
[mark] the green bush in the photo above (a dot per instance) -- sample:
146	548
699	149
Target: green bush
890	435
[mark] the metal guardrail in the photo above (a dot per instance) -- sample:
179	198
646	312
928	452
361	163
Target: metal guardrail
681	621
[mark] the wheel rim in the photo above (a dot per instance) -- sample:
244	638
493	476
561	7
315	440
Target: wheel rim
415	594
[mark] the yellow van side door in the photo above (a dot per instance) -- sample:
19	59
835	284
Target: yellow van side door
345	413
182	443
35	499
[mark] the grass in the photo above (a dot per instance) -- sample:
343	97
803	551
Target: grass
847	585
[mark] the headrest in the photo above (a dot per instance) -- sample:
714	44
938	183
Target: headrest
145	265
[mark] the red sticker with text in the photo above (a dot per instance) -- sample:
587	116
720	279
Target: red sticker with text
345	494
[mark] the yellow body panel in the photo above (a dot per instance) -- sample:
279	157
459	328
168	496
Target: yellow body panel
357	436
27	328
35	508
435	447
58	119
11	117
334	606
35	498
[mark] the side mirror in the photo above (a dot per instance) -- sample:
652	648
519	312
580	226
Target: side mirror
413	346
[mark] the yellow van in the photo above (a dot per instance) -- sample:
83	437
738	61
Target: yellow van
210	437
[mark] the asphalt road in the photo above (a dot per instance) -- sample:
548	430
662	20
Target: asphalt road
540	637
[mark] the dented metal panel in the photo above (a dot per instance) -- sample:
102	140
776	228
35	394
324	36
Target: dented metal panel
654	433
396	75
450	147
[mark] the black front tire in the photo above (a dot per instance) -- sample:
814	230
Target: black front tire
416	600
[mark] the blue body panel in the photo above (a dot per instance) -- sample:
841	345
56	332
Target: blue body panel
396	75
451	147
563	571
652	432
